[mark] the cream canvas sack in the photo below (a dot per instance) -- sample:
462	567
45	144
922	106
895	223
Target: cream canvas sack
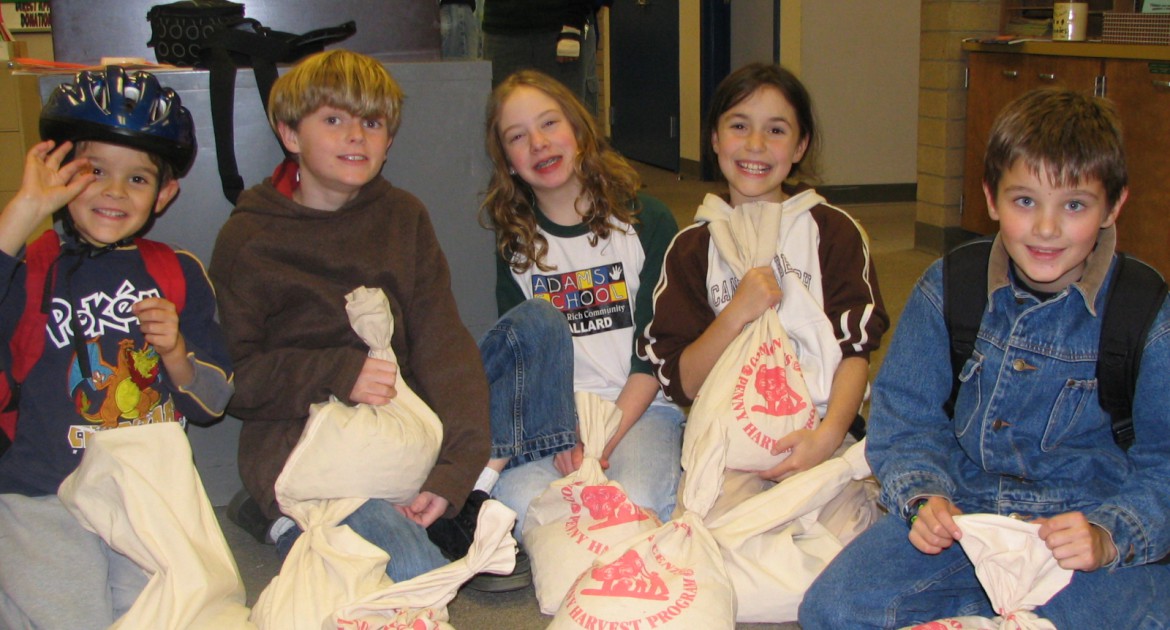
582	515
846	515
346	456
773	544
137	488
756	388
1016	569
671	576
421	602
376	451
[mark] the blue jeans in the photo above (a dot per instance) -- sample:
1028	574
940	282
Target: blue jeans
881	581
528	356
411	552
460	31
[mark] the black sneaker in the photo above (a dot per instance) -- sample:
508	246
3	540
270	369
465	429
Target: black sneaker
453	536
246	514
519	578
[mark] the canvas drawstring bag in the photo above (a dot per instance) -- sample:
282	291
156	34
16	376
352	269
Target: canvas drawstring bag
579	517
671	576
774	544
137	488
756	388
346	456
1016	569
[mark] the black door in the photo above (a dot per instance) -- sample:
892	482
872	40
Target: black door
644	43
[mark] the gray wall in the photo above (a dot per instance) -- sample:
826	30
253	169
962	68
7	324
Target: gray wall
438	155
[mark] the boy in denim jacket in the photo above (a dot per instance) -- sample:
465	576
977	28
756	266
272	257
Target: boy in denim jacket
1028	437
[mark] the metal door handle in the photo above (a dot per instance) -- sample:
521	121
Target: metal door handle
643	3
1047	76
1161	84
1011	74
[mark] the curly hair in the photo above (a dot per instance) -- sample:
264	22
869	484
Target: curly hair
609	184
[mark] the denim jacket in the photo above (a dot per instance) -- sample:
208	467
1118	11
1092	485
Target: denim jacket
1028	436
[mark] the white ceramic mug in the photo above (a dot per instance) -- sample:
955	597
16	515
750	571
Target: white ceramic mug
1070	21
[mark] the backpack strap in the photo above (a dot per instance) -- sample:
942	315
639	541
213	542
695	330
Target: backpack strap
1134	299
28	340
163	266
964	301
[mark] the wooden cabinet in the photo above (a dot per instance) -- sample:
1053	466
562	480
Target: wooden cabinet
1140	89
20	110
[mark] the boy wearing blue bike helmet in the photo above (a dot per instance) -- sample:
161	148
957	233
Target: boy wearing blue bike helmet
100	329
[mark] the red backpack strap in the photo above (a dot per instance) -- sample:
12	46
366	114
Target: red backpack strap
163	265
28	340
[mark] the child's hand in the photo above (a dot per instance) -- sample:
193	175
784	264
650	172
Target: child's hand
375	384
45	187
934	528
159	322
809	448
426	508
567	462
757	292
1076	543
50	183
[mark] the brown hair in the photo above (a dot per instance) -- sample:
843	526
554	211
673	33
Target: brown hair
608	182
339	78
1067	136
740	85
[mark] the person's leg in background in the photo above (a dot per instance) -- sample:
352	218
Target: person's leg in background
460	30
509	53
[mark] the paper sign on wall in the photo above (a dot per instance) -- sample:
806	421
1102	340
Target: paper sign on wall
26	17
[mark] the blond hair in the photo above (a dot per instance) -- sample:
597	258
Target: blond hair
608	182
349	81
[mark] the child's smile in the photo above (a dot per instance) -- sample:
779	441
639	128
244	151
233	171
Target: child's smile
1049	230
540	144
757	142
124	194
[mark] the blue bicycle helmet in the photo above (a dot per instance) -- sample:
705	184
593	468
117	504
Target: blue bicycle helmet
127	109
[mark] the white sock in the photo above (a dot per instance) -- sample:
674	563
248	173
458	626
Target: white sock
279	527
487	480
